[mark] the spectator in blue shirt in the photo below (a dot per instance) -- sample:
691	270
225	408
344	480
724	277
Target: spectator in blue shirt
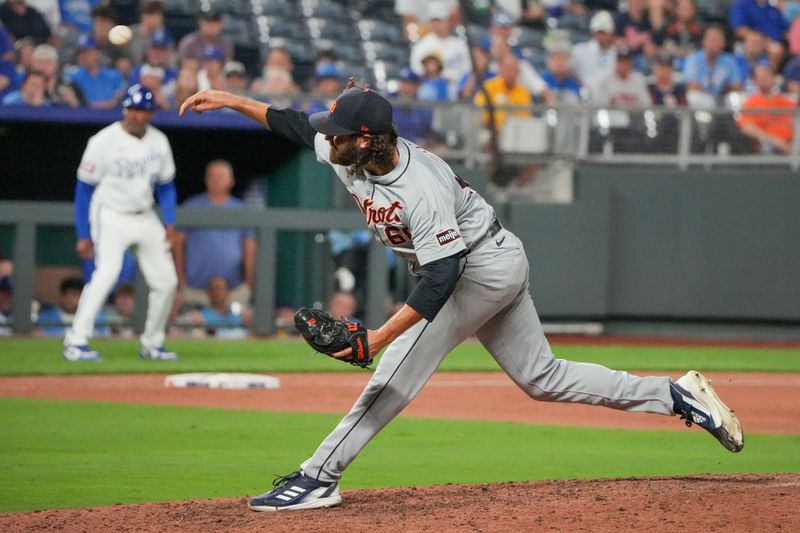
754	53
102	87
51	319
712	70
78	13
433	87
6	62
24	21
33	92
761	16
158	54
559	78
220	318
210	252
413	121
468	85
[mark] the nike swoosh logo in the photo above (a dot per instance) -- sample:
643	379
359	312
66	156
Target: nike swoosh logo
498	243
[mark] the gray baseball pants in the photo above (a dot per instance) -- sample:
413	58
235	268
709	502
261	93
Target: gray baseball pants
491	300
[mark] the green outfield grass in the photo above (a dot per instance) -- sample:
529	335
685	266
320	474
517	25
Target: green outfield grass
71	454
19	356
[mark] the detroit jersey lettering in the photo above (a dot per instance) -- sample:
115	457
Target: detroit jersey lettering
125	168
421	209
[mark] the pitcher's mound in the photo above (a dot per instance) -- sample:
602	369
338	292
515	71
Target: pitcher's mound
746	502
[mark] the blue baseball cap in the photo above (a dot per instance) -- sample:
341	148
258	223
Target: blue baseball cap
86	42
328	70
161	38
213	52
139	98
408	75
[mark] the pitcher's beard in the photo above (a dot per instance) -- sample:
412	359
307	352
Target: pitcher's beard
345	155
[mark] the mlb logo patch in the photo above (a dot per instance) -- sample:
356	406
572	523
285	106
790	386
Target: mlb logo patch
447	236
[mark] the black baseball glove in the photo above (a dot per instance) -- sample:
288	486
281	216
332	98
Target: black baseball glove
327	335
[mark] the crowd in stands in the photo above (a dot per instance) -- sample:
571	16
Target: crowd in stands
641	53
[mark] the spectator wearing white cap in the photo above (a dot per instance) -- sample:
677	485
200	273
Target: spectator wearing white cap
152	77
236	78
451	49
596	57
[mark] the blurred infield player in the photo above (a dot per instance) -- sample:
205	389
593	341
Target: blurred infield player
123	167
473	280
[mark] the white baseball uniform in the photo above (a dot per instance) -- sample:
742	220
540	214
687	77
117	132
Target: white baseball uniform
125	169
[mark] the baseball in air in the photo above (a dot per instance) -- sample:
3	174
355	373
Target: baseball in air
120	35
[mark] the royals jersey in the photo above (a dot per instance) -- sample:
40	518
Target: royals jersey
125	168
421	209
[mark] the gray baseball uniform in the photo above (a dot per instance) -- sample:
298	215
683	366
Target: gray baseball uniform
424	212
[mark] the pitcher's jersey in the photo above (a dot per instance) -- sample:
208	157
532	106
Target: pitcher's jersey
421	209
125	168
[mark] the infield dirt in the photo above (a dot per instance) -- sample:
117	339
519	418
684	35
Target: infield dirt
730	503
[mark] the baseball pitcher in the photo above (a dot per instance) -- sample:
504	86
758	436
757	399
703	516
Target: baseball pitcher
123	166
473	280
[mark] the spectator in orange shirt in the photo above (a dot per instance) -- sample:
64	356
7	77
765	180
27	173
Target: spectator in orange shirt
773	132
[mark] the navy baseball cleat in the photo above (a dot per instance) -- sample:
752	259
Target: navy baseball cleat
157	354
79	354
297	491
696	401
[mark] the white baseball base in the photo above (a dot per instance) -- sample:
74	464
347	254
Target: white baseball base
222	380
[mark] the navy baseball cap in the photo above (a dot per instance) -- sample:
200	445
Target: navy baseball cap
139	98
161	38
356	110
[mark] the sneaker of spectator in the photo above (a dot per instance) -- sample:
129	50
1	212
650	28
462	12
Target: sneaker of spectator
236	78
102	88
753	52
772	132
664	90
470	83
711	71
209	32
327	86
685	33
276	79
22	20
210	75
412	120
558	76
204	253
762	17
623	87
104	17
32	93
432	88
439	41
594	58
151	21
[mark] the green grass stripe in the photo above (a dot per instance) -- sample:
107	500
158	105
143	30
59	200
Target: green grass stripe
37	356
70	454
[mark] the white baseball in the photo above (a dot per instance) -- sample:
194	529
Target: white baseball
120	35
